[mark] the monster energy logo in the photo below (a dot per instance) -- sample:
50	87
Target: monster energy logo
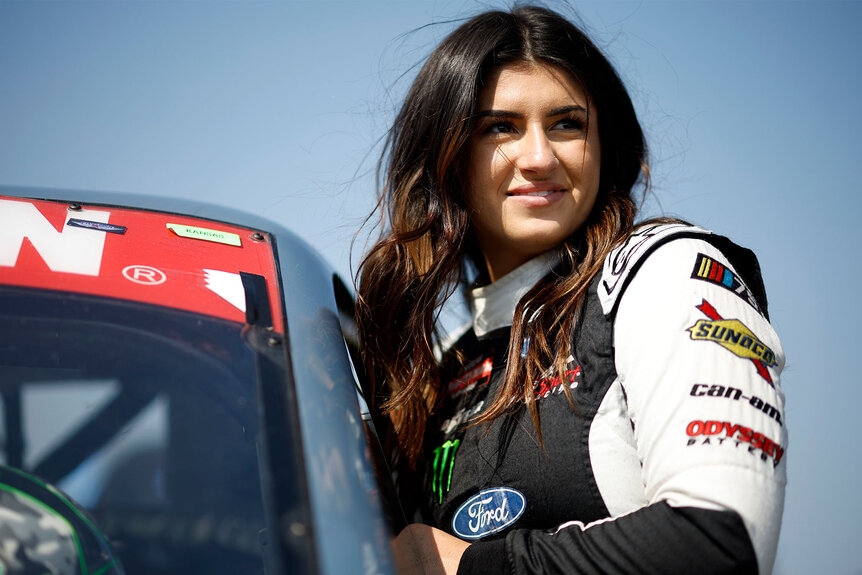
444	461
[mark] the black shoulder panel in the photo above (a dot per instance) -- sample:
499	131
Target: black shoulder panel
624	261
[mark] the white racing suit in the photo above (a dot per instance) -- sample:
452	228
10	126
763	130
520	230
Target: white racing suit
672	459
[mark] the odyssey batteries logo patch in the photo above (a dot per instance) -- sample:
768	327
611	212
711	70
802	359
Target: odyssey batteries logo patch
735	434
735	337
487	512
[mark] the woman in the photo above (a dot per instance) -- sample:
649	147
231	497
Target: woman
615	406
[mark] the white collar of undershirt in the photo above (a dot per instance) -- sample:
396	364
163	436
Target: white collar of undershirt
493	305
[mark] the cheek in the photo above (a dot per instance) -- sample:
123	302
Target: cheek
594	157
486	169
593	169
584	167
489	164
588	167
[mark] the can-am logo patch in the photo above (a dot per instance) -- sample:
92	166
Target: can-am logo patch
487	512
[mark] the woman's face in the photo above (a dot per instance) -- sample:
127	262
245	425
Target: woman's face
533	167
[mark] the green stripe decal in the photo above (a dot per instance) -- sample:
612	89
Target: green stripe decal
205	234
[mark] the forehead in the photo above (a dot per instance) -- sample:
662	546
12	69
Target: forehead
529	84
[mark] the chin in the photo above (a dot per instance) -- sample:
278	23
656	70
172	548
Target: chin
542	242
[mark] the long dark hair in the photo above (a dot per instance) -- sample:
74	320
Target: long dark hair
426	240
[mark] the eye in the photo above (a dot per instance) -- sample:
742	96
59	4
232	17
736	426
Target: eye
499	128
570	124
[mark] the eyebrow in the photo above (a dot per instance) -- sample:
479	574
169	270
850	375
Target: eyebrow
555	112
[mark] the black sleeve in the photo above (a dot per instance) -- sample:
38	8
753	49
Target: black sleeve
656	539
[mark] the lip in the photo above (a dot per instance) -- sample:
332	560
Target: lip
538	194
534	187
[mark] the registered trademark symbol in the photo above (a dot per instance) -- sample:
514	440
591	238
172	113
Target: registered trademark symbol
145	275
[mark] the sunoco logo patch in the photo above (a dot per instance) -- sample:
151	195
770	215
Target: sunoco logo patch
487	512
735	337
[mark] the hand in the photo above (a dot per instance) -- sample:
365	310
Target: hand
422	549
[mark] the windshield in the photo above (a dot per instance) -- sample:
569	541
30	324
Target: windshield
146	416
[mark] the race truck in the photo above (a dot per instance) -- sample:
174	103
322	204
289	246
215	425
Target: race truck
185	379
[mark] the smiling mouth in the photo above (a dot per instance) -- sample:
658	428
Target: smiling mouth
541	194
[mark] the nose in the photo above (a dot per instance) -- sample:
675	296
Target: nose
536	153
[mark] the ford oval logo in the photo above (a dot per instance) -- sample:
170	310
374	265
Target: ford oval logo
487	512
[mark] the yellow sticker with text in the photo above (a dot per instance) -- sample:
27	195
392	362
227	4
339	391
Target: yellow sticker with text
205	234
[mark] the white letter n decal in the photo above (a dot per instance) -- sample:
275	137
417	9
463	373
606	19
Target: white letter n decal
74	250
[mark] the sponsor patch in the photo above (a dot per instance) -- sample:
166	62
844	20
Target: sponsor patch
460	416
735	394
735	337
487	512
708	270
91	225
476	374
725	432
444	462
548	386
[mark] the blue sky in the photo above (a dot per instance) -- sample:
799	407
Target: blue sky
751	110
